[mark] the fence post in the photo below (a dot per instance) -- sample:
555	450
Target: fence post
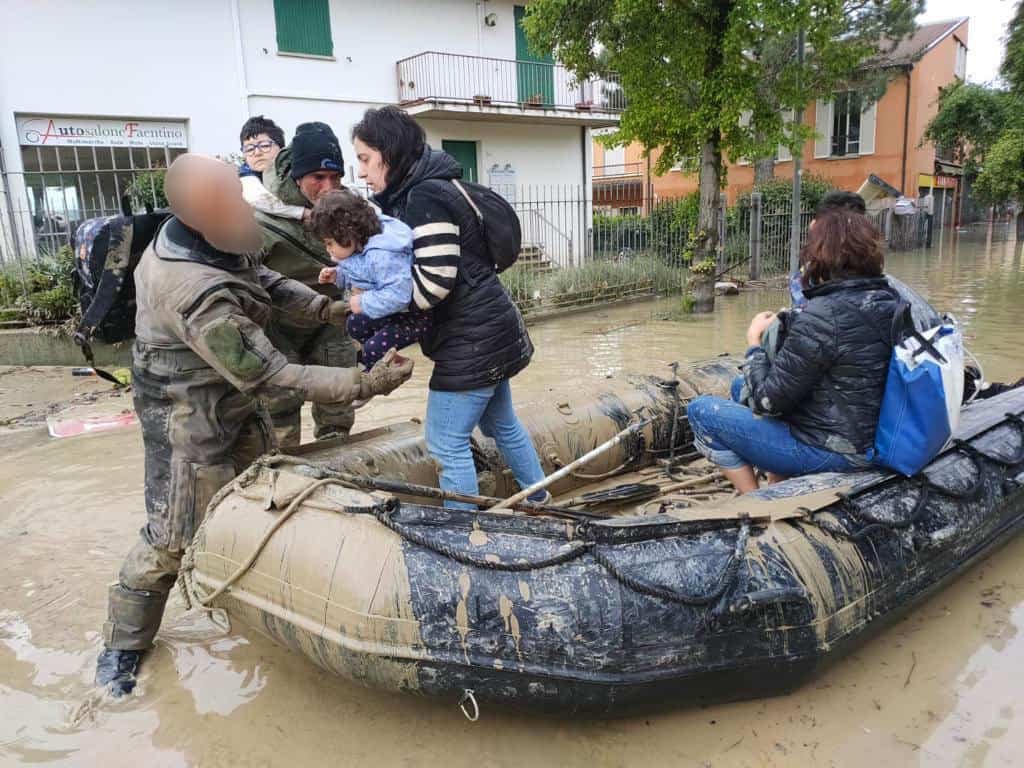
722	210
755	235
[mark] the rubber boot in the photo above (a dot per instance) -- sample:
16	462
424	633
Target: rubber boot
133	617
118	670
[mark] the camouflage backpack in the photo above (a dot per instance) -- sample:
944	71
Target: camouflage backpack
107	250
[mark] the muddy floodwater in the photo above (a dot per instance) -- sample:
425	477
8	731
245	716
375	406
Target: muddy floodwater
940	687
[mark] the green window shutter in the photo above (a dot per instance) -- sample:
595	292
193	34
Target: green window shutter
304	26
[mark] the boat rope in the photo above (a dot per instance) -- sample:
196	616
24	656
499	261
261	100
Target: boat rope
873	523
385	514
195	597
725	580
386	517
926	486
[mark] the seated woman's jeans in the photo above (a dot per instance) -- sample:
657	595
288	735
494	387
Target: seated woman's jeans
731	437
451	419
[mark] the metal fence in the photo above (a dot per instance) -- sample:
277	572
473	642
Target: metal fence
485	82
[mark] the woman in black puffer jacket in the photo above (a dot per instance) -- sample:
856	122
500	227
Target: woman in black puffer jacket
816	403
478	341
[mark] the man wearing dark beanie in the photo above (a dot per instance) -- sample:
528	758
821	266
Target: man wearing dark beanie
305	170
315	148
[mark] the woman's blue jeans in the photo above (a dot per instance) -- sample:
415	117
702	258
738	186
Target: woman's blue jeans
731	436
451	419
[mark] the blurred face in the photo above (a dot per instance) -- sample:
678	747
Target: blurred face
338	252
372	168
231	225
259	152
315	185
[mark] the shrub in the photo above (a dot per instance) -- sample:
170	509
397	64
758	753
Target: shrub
618	234
778	192
147	190
50	293
671	223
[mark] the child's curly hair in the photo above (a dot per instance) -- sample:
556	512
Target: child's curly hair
345	218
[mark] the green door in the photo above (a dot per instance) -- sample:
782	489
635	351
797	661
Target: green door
535	73
465	153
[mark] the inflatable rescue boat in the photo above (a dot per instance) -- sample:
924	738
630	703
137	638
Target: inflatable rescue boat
644	583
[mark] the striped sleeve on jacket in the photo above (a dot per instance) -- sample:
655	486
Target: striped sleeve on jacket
435	249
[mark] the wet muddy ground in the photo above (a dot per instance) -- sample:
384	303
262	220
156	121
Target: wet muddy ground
940	687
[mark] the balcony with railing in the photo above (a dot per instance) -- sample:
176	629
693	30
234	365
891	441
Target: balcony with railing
617	171
454	86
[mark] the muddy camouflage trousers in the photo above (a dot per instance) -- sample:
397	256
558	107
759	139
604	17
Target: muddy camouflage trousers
198	432
326	345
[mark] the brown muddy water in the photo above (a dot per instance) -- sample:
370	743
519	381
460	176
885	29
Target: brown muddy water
938	688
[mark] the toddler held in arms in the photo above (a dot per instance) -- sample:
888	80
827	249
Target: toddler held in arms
374	257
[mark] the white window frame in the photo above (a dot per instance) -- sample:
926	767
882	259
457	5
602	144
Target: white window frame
960	64
824	124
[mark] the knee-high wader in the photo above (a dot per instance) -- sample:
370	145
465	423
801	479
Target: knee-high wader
199	431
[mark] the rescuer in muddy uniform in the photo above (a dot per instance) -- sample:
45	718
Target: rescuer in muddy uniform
201	364
301	174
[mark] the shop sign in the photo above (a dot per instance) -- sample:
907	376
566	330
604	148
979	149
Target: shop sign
938	182
42	131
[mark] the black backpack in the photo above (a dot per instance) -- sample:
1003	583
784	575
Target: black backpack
499	223
107	250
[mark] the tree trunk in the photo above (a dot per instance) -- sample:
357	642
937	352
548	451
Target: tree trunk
706	238
710	186
764	171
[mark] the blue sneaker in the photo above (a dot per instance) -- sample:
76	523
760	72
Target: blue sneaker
543	496
117	669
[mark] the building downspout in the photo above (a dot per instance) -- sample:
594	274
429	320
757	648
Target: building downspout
236	20
906	133
588	195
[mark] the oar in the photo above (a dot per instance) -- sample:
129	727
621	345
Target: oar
429	492
568	469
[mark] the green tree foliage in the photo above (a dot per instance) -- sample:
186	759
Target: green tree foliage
1002	178
690	70
868	32
970	119
1013	60
984	126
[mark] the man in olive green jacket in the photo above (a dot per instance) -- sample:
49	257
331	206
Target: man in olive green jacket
309	167
201	362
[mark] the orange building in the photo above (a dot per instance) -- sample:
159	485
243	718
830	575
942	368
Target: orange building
885	139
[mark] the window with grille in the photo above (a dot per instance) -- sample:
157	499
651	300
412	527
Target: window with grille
66	185
846	114
304	27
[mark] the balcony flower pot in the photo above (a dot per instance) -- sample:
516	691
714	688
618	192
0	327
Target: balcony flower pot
482	100
584	106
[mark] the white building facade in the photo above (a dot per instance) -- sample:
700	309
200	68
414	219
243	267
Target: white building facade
94	95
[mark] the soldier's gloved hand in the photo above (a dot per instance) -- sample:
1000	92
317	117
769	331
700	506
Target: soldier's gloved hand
390	372
336	313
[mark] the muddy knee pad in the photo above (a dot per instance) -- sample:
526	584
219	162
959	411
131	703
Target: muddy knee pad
149	568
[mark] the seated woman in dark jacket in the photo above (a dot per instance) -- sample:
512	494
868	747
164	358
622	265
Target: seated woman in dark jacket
816	403
478	341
